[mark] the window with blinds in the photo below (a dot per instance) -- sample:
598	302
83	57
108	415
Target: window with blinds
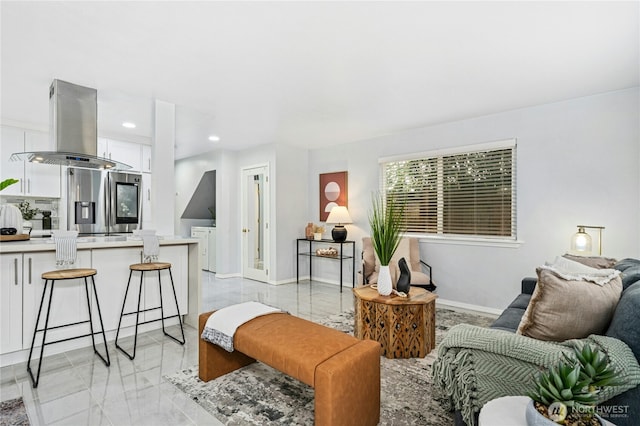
466	192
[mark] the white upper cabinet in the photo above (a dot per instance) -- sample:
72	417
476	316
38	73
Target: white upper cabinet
36	180
125	152
146	158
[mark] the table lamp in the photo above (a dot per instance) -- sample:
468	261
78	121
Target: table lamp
581	241
340	216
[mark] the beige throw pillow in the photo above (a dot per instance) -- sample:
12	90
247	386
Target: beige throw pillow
598	262
563	309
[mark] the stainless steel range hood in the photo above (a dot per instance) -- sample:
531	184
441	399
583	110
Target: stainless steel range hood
73	124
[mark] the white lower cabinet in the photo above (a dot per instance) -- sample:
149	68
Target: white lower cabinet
11	302
22	287
207	237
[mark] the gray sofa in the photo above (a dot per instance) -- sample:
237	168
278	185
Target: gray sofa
625	326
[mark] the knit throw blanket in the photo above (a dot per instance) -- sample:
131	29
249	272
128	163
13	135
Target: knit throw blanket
476	365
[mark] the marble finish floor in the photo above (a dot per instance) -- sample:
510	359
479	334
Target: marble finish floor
76	388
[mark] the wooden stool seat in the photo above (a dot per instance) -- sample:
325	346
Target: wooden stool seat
153	266
68	274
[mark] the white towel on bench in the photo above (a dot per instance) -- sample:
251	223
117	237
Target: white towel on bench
223	323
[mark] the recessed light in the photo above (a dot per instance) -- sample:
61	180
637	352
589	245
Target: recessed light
129	125
214	138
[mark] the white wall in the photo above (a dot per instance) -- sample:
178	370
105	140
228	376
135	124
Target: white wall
577	164
289	191
555	192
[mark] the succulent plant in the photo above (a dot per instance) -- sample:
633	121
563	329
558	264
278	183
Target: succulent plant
595	367
575	382
562	383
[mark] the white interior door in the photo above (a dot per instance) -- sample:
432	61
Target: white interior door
255	223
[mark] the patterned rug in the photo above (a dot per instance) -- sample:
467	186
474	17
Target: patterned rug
12	412
260	395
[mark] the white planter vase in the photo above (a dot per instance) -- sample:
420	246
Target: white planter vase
534	418
384	281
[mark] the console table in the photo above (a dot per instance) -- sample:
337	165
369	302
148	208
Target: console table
310	253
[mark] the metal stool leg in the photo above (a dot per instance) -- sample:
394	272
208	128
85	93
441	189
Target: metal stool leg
107	361
135	337
34	381
177	308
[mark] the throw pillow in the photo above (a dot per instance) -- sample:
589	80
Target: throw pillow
562	309
598	262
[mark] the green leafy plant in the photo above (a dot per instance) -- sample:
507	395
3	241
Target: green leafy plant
7	182
573	385
27	212
387	225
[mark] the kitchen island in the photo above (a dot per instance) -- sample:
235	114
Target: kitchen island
23	262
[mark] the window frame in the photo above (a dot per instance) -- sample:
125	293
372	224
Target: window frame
467	239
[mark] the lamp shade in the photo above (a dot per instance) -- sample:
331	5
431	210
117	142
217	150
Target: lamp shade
581	242
339	214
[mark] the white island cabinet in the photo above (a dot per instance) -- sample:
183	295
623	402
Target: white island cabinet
112	286
22	287
23	263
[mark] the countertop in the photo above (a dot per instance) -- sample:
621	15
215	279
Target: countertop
84	243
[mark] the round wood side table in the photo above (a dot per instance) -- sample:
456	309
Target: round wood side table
404	326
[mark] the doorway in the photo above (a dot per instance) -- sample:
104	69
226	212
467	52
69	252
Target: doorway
255	223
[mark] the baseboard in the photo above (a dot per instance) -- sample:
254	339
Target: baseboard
468	307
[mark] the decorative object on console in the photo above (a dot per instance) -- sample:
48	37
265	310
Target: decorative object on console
317	232
327	252
333	192
308	231
340	216
404	282
385	220
581	241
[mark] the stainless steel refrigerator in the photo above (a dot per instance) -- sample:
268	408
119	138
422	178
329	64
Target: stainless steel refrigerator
102	202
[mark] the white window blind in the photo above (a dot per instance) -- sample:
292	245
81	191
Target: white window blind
466	192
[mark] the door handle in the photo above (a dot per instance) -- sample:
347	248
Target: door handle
245	230
29	271
15	271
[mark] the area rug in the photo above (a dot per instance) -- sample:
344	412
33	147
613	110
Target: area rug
12	412
260	395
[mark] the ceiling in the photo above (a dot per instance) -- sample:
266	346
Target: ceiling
310	74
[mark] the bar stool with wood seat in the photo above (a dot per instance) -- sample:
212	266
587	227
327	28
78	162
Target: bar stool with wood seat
66	250
151	249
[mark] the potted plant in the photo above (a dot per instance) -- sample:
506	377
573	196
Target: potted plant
7	182
568	392
385	221
27	214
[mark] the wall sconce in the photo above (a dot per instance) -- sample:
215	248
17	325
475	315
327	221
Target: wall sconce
581	241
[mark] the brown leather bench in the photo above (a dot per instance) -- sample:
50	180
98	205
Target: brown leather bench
344	371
